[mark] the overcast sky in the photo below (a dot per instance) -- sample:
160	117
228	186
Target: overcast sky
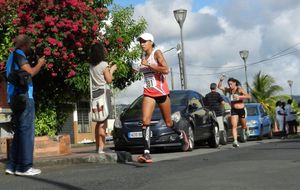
215	32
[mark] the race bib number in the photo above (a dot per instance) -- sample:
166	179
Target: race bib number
150	82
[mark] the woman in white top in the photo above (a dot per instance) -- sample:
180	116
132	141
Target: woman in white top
102	74
280	116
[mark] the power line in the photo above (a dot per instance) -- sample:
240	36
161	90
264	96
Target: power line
211	67
275	56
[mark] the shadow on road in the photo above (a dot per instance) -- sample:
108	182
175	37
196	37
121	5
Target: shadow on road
55	183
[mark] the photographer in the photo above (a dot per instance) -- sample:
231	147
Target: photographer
20	98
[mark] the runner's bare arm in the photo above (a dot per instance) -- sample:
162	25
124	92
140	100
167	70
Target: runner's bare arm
162	66
244	95
220	85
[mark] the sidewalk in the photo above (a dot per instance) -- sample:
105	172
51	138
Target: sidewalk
80	154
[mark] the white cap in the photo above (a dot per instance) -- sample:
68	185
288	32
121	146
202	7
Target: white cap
146	36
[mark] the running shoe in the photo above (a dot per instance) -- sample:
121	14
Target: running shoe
29	172
247	132
9	172
145	158
184	141
235	145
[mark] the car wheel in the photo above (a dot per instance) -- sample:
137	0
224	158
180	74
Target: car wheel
223	137
270	134
214	140
191	138
243	137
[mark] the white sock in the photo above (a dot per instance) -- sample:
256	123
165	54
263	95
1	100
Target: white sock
100	150
146	151
181	136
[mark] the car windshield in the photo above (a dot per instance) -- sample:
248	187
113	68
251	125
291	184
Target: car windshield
177	99
252	111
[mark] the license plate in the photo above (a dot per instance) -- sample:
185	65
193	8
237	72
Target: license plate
136	135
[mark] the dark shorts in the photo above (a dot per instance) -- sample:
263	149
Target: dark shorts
159	99
239	112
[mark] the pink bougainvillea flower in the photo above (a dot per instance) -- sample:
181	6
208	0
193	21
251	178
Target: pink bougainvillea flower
52	41
2	66
72	73
56	54
95	27
78	44
39	40
106	42
71	55
54	74
47	51
120	40
75	28
50	65
59	44
65	57
55	30
22	30
16	21
72	2
48	19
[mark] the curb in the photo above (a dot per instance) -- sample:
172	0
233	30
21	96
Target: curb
107	158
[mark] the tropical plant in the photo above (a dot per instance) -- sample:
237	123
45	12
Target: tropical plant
265	91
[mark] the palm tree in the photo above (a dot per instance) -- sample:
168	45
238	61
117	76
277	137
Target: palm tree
264	90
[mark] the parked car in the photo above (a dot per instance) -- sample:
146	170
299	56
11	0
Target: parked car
199	123
258	121
227	133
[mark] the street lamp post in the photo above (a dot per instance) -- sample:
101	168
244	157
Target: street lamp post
180	15
179	54
290	82
244	55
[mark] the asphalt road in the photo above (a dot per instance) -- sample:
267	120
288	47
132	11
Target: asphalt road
269	164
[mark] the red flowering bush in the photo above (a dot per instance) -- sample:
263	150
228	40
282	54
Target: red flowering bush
64	29
7	29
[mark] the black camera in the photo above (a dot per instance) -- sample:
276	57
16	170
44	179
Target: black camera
35	54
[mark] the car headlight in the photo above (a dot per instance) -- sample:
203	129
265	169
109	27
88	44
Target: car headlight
252	122
118	123
176	116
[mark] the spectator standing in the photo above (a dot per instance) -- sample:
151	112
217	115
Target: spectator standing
101	75
21	101
215	102
291	118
